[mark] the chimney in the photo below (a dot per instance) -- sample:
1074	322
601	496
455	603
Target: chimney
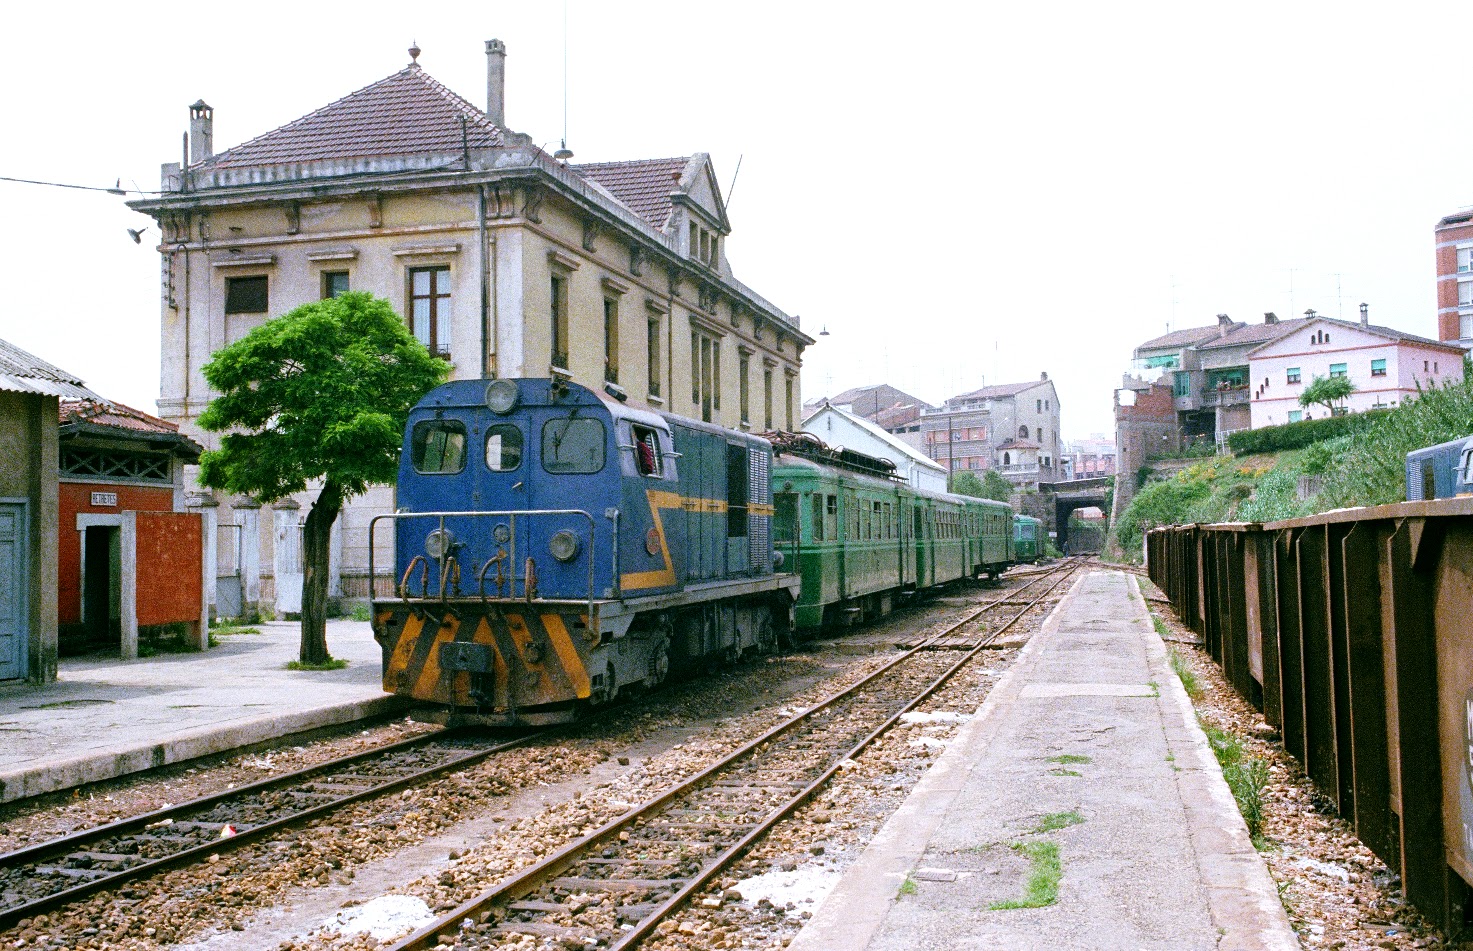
1224	324
1365	315
1270	318
496	83
201	132
1043	375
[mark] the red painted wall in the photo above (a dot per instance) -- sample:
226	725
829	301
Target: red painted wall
76	497
170	567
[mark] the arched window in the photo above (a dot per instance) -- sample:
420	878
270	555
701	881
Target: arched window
1022	432
1007	459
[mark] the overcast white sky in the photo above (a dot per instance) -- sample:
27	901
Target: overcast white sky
960	193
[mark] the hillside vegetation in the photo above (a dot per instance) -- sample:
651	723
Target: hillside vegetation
1360	463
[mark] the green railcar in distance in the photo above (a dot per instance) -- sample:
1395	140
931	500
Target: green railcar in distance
1027	539
861	540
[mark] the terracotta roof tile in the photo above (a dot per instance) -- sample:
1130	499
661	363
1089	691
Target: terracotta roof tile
999	391
1255	333
407	113
645	185
114	415
1183	338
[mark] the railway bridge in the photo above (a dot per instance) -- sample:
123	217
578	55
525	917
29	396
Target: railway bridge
1056	501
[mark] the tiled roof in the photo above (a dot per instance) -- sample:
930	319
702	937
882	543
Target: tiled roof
1183	338
1020	444
407	113
644	185
1255	333
1401	336
95	416
21	372
896	416
997	392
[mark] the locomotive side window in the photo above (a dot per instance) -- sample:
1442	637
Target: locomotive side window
737	491
437	446
503	447
646	451
573	445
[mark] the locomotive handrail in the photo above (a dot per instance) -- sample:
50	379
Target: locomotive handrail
529	581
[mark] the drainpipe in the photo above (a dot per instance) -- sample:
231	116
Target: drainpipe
487	341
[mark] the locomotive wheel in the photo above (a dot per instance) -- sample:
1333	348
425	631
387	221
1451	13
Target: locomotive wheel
659	663
766	640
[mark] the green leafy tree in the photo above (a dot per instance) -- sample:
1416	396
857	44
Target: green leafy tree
1326	391
319	394
989	486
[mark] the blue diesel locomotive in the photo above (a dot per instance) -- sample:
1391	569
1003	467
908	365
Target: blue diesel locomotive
555	545
1443	471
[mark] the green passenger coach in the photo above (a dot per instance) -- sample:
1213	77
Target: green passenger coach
861	539
1027	539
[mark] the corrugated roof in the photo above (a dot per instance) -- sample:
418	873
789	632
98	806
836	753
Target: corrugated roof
407	113
22	372
644	185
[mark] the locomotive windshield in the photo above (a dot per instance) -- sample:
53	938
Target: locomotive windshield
437	446
503	447
573	445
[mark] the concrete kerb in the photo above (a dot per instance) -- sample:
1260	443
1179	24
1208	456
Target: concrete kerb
190	744
856	909
1241	895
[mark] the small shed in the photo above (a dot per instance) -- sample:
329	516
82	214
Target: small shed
129	556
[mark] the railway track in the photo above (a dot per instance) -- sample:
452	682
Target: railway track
614	886
44	876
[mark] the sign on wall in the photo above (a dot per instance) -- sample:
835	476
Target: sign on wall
104	498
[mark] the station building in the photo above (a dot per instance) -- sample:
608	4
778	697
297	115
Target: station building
505	260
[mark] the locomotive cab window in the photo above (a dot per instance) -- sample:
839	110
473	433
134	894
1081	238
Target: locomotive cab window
573	445
646	451
437	446
503	448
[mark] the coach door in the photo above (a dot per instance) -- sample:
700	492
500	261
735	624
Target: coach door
918	540
13	588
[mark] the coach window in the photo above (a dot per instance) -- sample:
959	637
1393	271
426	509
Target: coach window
818	510
573	445
437	446
503	447
831	522
646	451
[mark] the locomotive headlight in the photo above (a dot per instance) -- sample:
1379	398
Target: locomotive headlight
564	546
501	396
502	533
439	543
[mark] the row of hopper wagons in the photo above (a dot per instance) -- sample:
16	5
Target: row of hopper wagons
556	546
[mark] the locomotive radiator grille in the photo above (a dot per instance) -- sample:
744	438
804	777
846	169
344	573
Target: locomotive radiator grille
757	525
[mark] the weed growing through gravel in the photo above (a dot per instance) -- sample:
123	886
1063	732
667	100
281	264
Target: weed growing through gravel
1057	820
1044	873
907	887
1161	627
1184	672
230	630
1246	777
1069	759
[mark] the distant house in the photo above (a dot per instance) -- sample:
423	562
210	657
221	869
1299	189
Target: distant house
30	391
968	432
1386	365
839	428
893	410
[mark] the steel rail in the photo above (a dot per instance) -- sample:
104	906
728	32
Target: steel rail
59	847
529	879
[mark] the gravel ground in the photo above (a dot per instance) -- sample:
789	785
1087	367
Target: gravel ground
460	832
1337	893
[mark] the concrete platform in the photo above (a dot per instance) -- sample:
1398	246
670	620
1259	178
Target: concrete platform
107	718
1091	729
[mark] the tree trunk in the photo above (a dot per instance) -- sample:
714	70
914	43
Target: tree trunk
316	551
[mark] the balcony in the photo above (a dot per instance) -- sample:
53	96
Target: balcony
1225	395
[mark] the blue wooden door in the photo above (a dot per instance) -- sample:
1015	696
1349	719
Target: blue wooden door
13	588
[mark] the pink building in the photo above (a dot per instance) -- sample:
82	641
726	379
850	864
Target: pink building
1386	366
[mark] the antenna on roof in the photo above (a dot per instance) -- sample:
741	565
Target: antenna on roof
564	153
732	187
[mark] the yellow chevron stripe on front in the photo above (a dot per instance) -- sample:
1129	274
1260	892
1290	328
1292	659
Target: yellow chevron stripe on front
557	633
